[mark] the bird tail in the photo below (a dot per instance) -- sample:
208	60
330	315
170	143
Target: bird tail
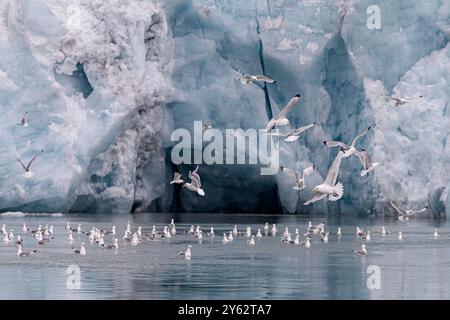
366	172
201	192
339	190
172	182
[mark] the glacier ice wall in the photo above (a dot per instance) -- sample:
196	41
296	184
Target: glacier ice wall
105	83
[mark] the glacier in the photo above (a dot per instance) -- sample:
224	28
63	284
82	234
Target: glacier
106	83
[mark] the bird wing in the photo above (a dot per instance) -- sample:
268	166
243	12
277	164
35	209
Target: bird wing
264	78
24	167
297	131
334	170
331	144
31	161
289	106
289	172
360	135
195	178
421	210
399	210
316	197
307	171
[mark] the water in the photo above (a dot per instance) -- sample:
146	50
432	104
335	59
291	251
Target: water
413	269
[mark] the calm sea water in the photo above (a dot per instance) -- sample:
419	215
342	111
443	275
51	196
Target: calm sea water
416	268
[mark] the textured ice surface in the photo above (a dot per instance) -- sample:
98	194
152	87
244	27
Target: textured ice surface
105	83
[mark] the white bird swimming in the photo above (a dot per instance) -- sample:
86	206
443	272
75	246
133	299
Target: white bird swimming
339	232
195	184
348	149
366	237
286	232
359	232
24	228
23	122
329	187
225	238
70	236
28	173
274	230
176	178
185	254
404	215
435	233
362	252
307	243
247	78
366	161
281	119
266	227
300	183
211	233
115	245
81	251
230	236
324	238
401	236
251	241
21	253
297	240
259	234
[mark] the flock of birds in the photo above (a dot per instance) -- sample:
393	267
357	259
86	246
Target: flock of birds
330	188
97	236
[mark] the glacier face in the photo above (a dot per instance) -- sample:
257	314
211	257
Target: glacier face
105	83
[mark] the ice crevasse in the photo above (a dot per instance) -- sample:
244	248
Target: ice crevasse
106	82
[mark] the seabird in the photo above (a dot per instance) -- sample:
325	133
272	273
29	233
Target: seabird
401	101
362	252
274	230
115	245
81	251
19	240
401	236
70	236
324	238
366	161
266	227
366	236
24	228
211	233
339	232
297	240
247	78
176	178
225	239
28	173
348	149
235	230
185	254
23	122
230	236
286	232
329	187
307	243
258	234
287	239
195	184
435	233
248	232
281	119
294	135
404	215
251	241
21	253
359	232
299	176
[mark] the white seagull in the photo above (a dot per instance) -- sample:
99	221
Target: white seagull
195	184
81	251
329	187
185	254
362	252
247	78
28	173
348	149
404	215
21	253
281	119
366	161
401	101
299	176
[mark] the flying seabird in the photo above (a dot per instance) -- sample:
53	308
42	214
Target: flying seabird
401	101
195	184
348	149
176	178
404	215
294	134
281	119
329	187
247	78
23	122
28	173
299	176
366	161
